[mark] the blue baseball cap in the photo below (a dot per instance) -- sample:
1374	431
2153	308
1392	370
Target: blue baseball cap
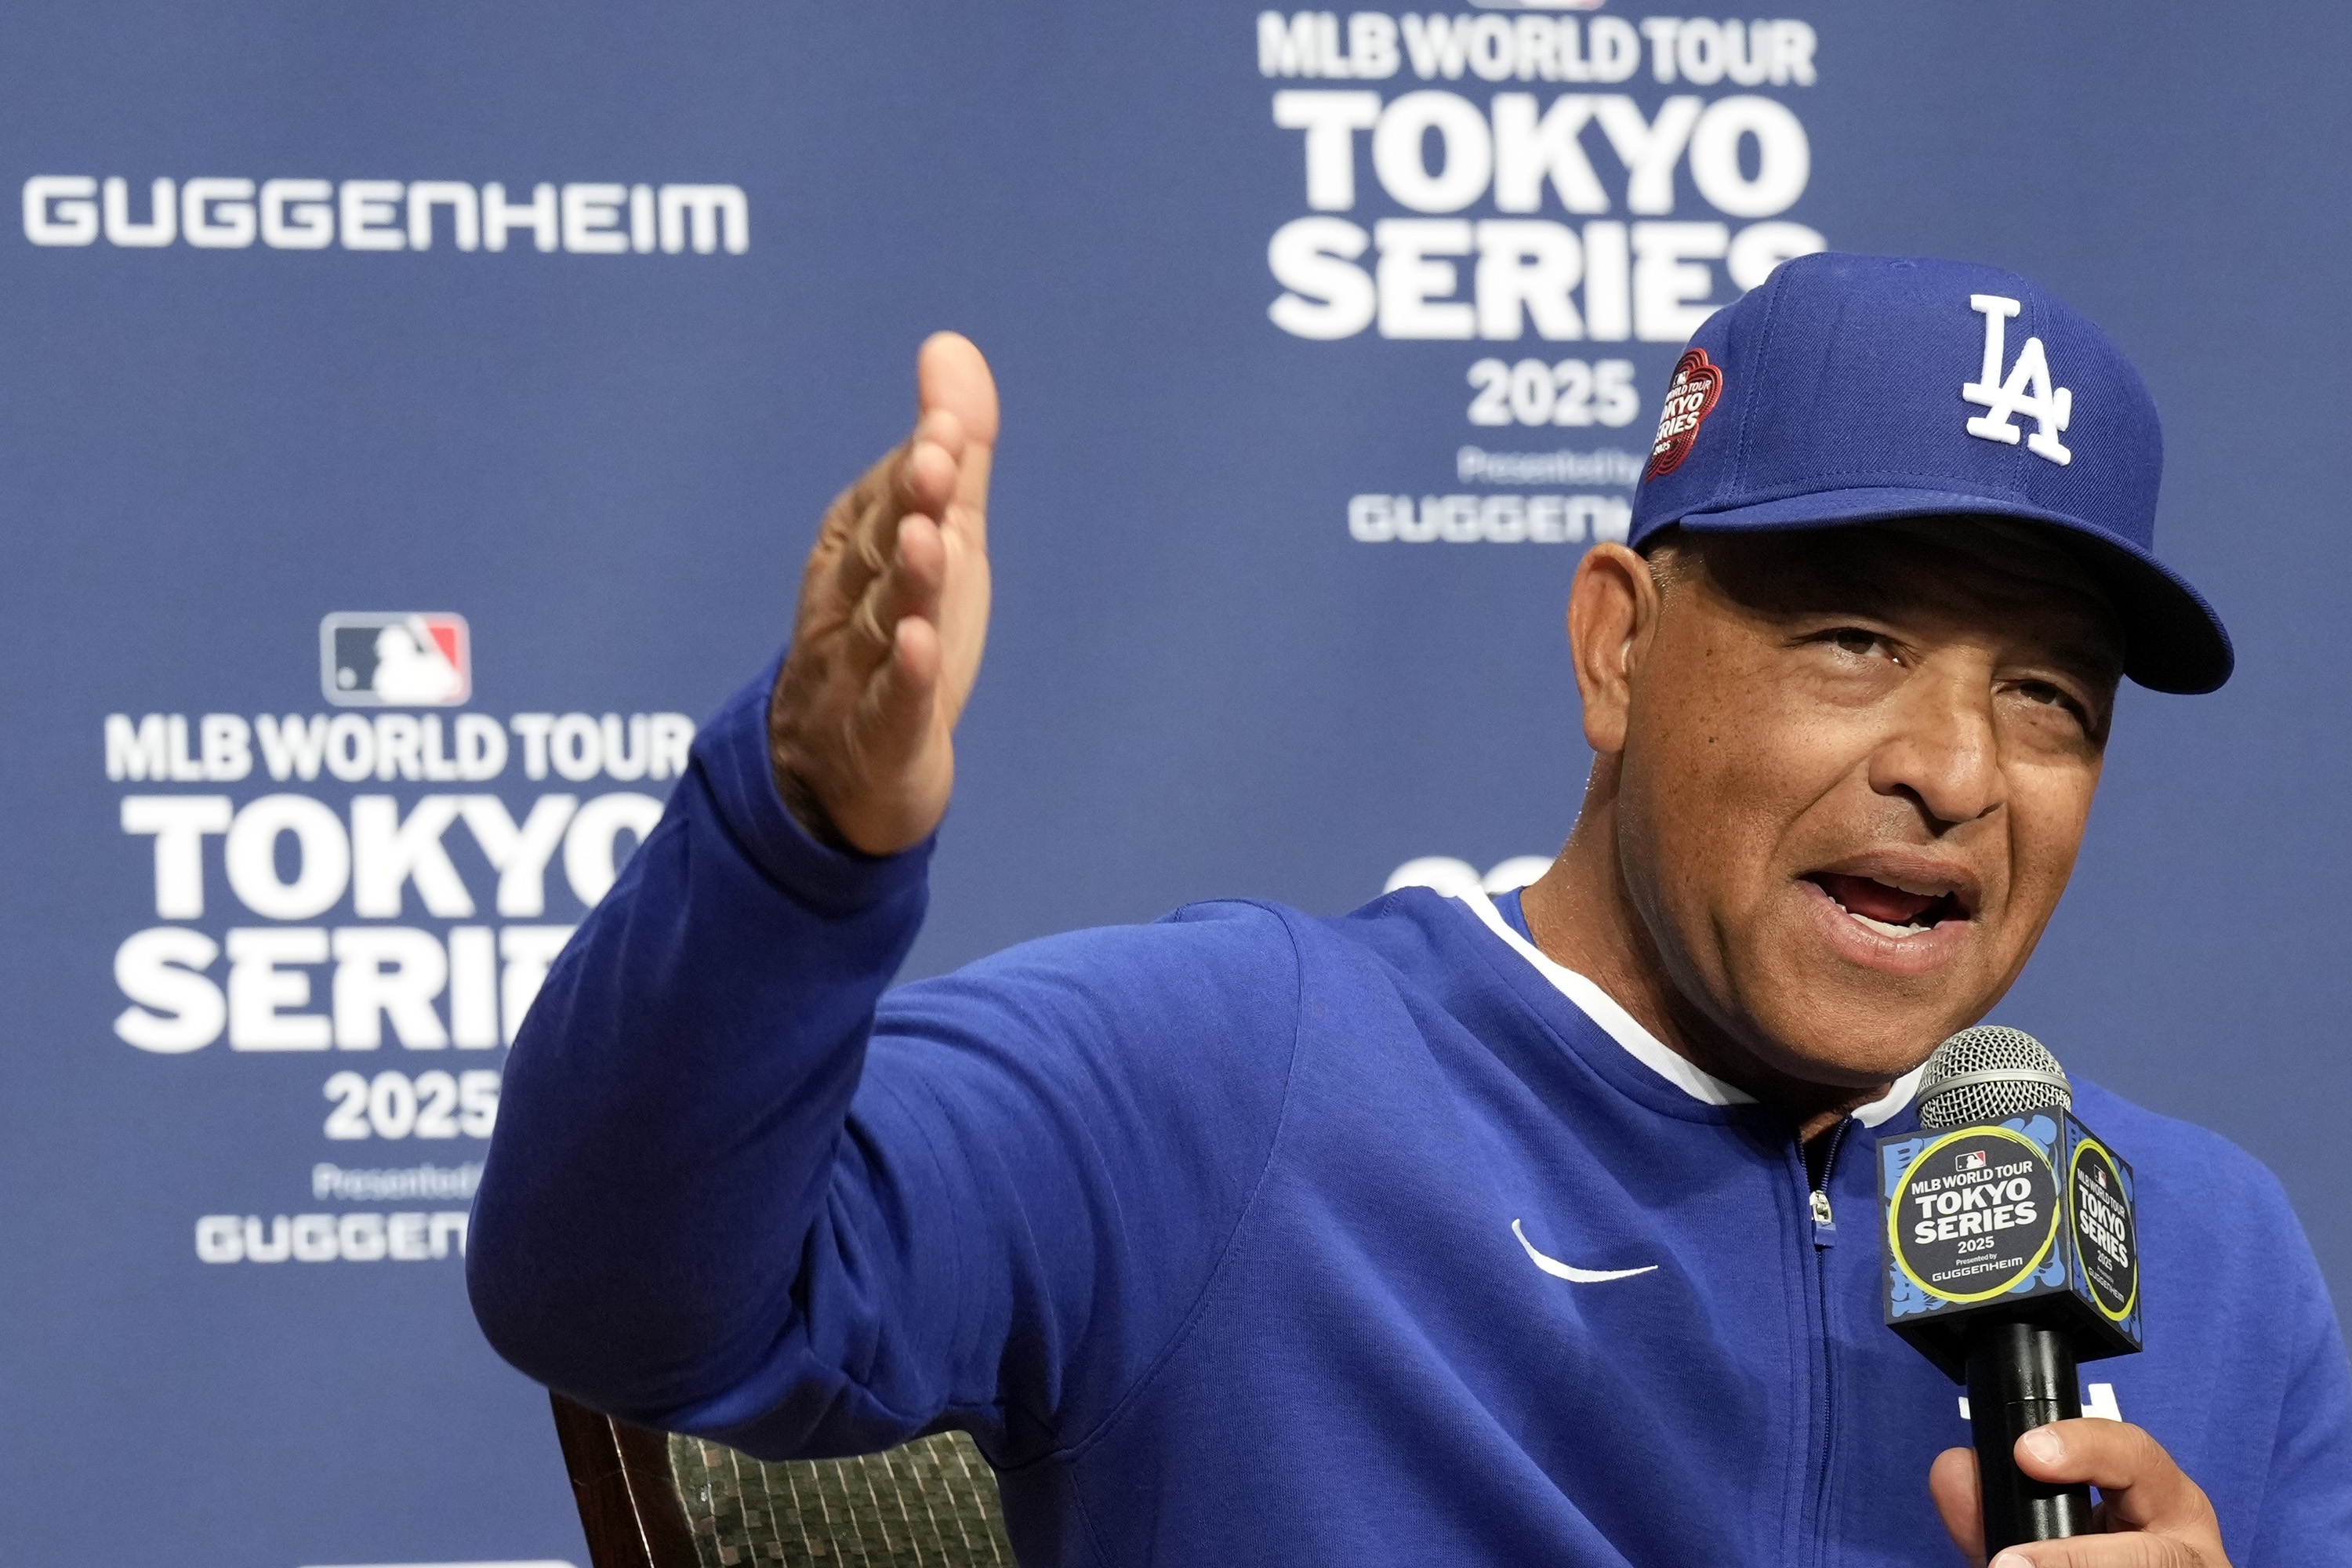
1854	389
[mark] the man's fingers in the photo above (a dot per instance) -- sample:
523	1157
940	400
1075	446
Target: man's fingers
927	479
952	377
2106	1552
2144	1488
909	583
918	478
894	718
1952	1483
940	471
2159	1517
893	616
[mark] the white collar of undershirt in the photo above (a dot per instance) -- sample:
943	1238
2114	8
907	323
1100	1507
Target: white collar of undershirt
1638	1042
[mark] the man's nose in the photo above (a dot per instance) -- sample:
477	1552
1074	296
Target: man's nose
1943	752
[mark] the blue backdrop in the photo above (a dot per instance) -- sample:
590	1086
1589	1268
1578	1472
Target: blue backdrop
480	373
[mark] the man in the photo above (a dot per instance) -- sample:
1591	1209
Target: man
1448	1232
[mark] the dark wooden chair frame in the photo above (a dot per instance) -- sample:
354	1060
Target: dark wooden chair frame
621	1481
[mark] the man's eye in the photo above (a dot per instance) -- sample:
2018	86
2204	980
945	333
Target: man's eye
2049	696
1855	641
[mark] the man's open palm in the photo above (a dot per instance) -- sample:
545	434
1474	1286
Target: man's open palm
893	616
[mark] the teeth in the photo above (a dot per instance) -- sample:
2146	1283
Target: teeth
1883	929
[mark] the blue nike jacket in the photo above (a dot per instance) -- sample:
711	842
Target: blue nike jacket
1248	1238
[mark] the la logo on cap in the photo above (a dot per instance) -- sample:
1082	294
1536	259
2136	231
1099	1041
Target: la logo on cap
1839	373
2027	391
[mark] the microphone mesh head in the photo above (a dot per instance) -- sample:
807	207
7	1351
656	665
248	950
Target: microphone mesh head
1988	1074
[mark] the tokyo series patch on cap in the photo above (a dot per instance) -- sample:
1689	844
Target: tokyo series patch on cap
1690	397
1852	389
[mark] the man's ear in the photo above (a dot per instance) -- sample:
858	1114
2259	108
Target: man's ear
1612	608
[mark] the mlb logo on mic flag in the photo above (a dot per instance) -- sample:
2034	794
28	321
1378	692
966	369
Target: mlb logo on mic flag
396	658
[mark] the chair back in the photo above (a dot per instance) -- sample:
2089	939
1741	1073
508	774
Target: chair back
652	1500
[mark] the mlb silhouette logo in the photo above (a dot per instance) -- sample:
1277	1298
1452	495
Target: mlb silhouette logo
1974	1160
399	658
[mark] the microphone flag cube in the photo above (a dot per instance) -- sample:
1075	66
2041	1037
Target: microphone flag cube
2028	1219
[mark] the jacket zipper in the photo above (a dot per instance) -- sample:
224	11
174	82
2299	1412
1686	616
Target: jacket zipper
1825	1217
1824	1229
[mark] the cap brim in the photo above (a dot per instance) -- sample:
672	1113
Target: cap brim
2172	640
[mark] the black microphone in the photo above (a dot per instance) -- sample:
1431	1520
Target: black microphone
2012	1254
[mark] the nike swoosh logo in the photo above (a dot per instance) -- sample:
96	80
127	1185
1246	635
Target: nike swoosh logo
1559	1271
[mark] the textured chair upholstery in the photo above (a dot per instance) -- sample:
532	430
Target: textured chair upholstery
930	1504
650	1499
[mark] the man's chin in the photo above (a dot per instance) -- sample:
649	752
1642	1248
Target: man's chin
1860	1065
1834	1024
1855	1037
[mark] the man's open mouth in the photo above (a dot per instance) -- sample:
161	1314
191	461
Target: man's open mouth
1887	909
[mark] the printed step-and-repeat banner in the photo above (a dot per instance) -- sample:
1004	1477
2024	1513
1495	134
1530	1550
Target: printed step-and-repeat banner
414	416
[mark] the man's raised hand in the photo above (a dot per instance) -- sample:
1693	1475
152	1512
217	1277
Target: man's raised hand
893	615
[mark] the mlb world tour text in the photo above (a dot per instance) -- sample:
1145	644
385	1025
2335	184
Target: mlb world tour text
289	857
1435	154
1476	201
455	902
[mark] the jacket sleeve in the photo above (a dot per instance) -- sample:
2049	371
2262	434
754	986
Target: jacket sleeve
730	1194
